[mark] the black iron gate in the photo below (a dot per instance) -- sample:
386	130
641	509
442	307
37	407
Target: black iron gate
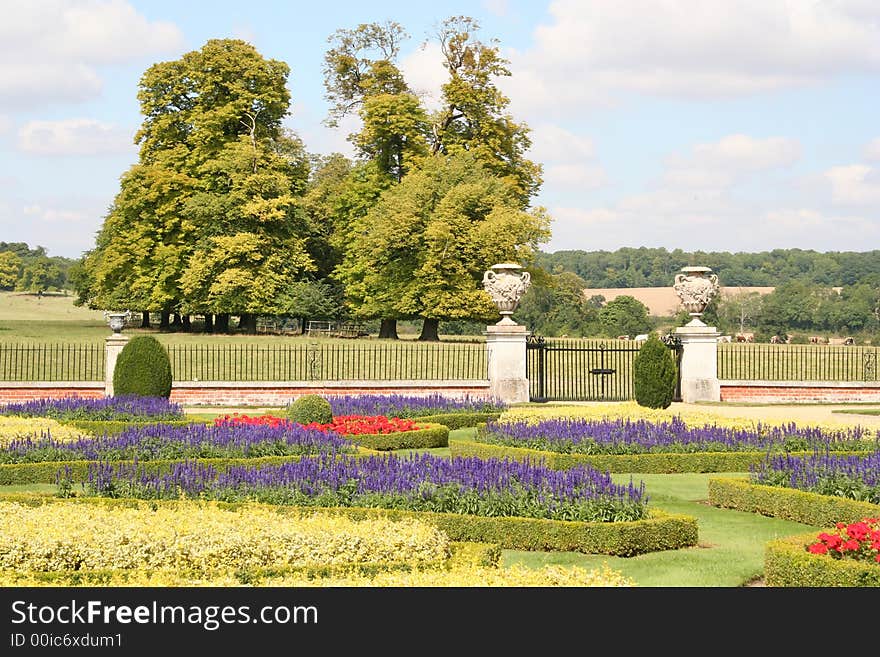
584	370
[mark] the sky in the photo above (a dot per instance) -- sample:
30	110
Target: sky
714	125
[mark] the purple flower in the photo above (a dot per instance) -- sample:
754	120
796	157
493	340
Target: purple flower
119	407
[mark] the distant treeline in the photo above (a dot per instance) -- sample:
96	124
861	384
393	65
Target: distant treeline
656	267
32	270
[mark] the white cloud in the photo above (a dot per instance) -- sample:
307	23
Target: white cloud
424	72
854	184
54	215
74	137
5	124
551	142
50	49
718	165
872	150
592	52
577	176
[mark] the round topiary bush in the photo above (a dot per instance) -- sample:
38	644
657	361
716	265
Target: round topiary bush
654	374
143	368
310	408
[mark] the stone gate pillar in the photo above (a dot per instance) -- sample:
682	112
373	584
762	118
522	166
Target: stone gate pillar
506	340
113	345
696	286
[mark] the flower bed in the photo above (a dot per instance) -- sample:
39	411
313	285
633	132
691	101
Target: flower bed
20	428
247	544
454	413
854	477
372	432
623	436
164	441
621	445
520	506
200	538
790	562
129	408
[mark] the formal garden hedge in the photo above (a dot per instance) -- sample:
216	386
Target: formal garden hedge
660	463
459	419
428	436
787	563
114	427
788	503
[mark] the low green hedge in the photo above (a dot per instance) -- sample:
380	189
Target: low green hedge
45	473
113	427
459	420
787	563
660	463
659	531
430	435
788	503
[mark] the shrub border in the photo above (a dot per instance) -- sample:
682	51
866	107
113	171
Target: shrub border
787	563
429	434
458	419
114	427
660	463
660	531
787	503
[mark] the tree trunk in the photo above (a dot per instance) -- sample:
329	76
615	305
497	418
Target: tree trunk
247	322
187	324
388	329
164	318
222	323
145	319
430	330
176	322
209	323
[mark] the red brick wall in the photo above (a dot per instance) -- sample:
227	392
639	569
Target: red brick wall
245	395
799	393
14	395
241	395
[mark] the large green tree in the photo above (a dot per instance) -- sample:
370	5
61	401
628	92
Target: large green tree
10	270
474	114
217	180
422	250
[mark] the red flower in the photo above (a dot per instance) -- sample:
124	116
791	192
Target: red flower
858	541
851	544
857	530
818	548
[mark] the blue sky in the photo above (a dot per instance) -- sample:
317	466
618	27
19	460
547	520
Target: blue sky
721	125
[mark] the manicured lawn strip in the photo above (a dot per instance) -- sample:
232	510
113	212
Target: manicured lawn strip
429	436
787	563
858	411
788	503
666	462
731	543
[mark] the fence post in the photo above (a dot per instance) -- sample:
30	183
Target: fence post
699	363
506	349
112	347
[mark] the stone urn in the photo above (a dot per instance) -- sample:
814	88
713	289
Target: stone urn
506	284
117	320
696	287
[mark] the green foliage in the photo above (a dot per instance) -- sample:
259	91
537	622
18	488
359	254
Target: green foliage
555	304
665	463
624	315
789	503
660	531
787	563
310	408
143	368
10	270
113	427
430	435
459	419
654	374
422	250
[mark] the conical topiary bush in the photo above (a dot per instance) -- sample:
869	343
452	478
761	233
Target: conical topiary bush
654	374
143	368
